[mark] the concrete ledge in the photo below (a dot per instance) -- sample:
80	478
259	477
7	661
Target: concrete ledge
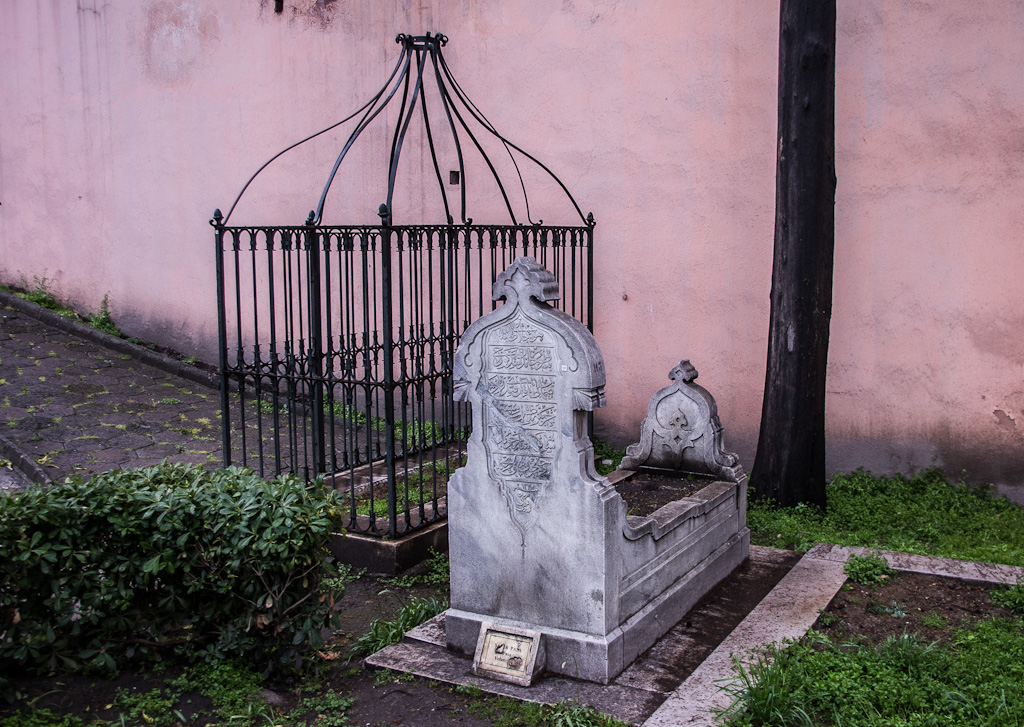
785	613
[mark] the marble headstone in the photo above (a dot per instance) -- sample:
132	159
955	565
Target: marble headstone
682	432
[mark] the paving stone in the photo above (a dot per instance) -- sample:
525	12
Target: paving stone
129	442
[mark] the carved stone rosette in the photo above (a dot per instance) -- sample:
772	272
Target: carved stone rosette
682	431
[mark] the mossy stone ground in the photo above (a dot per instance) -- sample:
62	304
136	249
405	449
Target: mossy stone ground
75	407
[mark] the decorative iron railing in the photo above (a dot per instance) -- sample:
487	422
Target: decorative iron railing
336	342
337	346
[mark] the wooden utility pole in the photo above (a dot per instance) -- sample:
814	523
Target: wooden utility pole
790	462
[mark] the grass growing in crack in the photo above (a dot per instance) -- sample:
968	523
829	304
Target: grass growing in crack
384	632
974	679
924	514
103	322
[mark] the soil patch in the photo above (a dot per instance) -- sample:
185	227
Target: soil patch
932	607
645	492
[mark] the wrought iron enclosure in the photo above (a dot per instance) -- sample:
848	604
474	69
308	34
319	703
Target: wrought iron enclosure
337	342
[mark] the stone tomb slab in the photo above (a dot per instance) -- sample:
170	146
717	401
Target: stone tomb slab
538	541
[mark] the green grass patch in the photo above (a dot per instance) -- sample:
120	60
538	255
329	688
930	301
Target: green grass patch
1011	598
438	573
604	451
507	712
384	632
867	569
924	514
40	294
974	679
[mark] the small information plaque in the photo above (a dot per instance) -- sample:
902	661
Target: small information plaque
508	653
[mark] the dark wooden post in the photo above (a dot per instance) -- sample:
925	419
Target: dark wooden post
790	462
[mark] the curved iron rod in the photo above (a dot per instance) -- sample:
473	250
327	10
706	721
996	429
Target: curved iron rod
433	155
475	111
401	114
406	55
312	136
494	172
396	147
522	151
455	136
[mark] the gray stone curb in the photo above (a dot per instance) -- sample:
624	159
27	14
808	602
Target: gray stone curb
120	345
23	463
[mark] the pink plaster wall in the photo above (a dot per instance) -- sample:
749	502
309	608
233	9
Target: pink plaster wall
125	122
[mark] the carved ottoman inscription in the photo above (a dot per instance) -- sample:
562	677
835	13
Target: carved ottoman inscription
519	413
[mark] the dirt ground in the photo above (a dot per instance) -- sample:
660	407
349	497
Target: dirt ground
930	606
645	492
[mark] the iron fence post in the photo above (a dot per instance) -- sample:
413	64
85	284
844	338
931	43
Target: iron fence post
590	299
222	339
316	349
389	370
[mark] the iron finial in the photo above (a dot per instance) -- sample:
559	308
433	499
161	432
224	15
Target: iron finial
218	218
311	219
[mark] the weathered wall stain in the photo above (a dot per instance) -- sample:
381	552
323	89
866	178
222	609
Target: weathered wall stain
178	34
1005	421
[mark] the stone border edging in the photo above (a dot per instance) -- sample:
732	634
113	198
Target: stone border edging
120	345
24	463
931	565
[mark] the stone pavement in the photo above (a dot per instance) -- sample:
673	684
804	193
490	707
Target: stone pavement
69	405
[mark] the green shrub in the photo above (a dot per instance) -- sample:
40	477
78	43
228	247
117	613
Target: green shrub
867	569
169	559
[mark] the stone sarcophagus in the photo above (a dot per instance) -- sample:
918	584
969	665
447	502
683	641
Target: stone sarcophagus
539	542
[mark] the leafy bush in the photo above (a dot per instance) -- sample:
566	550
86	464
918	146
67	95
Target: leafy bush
168	559
924	514
868	569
